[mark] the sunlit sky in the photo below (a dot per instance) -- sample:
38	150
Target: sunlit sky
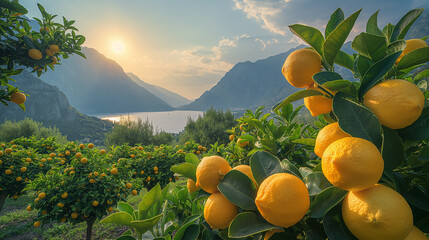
187	46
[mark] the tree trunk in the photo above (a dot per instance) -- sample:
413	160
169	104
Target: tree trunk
89	224
3	196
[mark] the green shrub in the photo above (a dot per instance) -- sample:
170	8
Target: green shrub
27	128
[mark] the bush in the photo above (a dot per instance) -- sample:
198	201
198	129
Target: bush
209	128
133	133
27	128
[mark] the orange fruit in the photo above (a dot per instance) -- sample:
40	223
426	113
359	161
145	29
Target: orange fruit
282	199
23	169
219	211
8	171
29	208
64	195
134	192
378	212
210	171
78	155
18	179
91	180
74	215
18	98
102	151
191	186
412	45
114	171
95	203
328	135
396	103
8	150
318	104
270	233
41	195
128	185
300	66
54	48
231	137
64	219
352	164
246	170
54	60
110	209
242	143
37	224
35	54
49	52
84	160
91	145
416	234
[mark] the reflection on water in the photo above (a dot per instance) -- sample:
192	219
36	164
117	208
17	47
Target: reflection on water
171	121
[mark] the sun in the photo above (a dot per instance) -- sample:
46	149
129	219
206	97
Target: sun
118	47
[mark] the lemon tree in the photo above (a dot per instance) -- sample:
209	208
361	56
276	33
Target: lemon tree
38	49
82	188
371	159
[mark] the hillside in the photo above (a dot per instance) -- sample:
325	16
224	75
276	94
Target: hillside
172	98
98	85
47	104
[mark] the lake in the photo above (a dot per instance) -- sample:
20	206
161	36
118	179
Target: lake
170	121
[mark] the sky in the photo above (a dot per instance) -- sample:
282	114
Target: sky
187	46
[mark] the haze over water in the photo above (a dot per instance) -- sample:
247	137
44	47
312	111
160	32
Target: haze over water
170	121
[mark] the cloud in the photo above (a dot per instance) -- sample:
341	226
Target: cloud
265	12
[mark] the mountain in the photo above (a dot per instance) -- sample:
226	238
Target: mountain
47	104
172	98
98	85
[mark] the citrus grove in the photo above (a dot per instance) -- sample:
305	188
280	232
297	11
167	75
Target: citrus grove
360	172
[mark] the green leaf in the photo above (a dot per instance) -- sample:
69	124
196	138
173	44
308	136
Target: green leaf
192	232
404	24
185	169
388	30
149	199
143	226
337	85
126	238
325	201
345	60
305	141
418	56
125	207
316	182
421	75
335	227
419	130
393	149
287	166
372	26
310	35
336	18
181	232
120	218
14	6
192	158
369	45
295	97
338	36
396	46
357	120
362	64
239	189
324	77
376	72
247	224
263	165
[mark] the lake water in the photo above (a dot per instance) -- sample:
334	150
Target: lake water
171	121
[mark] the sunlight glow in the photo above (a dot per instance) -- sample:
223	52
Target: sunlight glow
118	47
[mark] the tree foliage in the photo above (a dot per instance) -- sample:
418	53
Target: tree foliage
27	128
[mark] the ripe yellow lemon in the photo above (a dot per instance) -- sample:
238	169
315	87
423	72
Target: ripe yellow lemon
114	171
128	185
412	45
231	137
41	195
219	211
328	135
134	192
352	164
74	215
300	66
377	213
246	170
64	195
110	209
95	203
35	54
37	224
54	48
282	199
210	171
102	151
18	98
396	103
242	143
84	160
416	234
91	145
318	104
8	150
191	186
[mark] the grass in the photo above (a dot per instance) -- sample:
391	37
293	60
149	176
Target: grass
17	223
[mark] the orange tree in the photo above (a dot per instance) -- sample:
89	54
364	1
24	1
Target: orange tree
82	188
37	49
18	165
371	177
